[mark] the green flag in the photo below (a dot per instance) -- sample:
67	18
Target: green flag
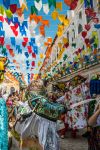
34	10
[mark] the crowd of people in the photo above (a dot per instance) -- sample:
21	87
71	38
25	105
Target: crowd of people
29	126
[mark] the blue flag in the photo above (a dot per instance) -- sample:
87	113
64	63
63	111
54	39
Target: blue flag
88	3
13	41
26	54
1	25
6	3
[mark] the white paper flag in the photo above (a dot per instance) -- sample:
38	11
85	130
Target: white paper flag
46	8
38	5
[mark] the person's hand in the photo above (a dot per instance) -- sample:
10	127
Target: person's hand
98	108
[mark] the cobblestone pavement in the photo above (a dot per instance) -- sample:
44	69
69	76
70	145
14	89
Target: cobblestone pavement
74	144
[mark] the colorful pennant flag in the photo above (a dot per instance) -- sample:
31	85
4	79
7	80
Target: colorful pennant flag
46	8
88	3
6	3
33	55
2	10
13	8
38	5
8	13
59	5
34	10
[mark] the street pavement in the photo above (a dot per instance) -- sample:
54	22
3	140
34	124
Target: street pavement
74	144
68	143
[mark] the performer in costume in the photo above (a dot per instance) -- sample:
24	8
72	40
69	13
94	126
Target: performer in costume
38	129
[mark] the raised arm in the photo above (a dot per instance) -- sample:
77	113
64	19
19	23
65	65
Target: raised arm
93	119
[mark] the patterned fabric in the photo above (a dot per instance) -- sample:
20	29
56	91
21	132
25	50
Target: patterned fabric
77	117
46	109
3	125
45	130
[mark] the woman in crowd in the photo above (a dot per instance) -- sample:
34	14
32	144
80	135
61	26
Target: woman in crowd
94	123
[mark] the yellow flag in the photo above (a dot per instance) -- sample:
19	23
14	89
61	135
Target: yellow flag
65	40
1	65
59	34
8	13
54	15
60	28
60	53
61	17
2	10
24	6
59	5
59	45
39	63
66	22
41	56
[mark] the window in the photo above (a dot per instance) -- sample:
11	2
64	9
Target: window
73	33
80	28
68	35
80	15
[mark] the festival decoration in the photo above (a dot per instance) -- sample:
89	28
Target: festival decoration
6	3
13	8
87	27
88	3
84	34
54	15
46	8
97	26
38	5
59	5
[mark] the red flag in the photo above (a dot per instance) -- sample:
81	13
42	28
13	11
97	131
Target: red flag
24	44
29	49
25	39
33	63
8	47
2	41
1	18
13	8
33	55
